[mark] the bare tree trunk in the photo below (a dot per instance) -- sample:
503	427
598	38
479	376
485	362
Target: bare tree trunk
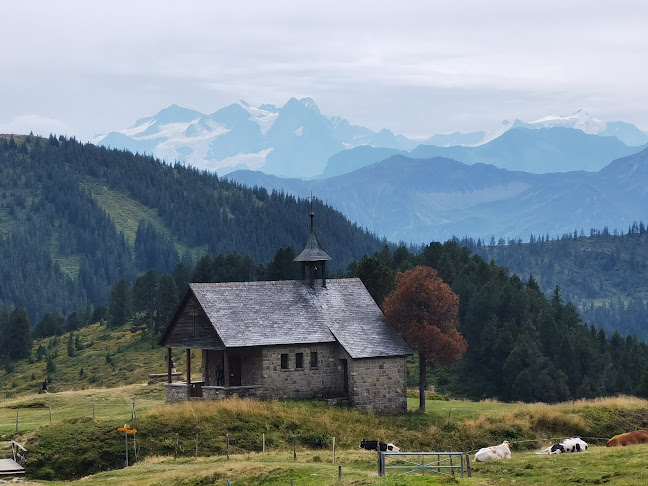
422	380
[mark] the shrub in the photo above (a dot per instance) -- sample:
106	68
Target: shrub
74	448
51	367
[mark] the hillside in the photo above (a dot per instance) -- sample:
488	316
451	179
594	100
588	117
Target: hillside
605	276
75	218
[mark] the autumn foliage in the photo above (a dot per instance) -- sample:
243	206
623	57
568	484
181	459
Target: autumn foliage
423	310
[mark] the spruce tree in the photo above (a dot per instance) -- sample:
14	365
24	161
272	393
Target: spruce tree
121	303
19	337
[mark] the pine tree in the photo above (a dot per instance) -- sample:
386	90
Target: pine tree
121	303
19	337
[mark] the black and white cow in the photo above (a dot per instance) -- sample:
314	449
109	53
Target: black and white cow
573	444
374	445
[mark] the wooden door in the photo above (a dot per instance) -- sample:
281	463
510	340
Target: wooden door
345	367
235	370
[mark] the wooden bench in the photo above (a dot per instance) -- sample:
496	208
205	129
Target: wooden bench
156	377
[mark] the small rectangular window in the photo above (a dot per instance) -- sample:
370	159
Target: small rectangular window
284	361
299	360
313	359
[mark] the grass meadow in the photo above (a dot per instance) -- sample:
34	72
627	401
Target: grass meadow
448	425
68	445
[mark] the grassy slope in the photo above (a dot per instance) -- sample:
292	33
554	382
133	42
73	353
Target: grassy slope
126	213
131	357
314	467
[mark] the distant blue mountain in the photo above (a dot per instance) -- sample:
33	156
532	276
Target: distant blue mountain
539	151
296	140
423	200
303	140
356	158
626	132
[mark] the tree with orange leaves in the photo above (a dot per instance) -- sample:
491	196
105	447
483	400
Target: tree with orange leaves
423	309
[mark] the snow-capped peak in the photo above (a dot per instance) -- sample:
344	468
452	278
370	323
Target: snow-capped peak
310	104
580	119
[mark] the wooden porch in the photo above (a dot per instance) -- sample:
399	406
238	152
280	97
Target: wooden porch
225	373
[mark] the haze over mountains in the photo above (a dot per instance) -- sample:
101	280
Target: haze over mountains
423	200
297	140
548	176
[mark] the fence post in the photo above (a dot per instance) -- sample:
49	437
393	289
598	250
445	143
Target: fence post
294	449
339	473
468	465
227	449
381	465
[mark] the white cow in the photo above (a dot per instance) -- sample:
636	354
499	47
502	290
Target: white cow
573	444
494	453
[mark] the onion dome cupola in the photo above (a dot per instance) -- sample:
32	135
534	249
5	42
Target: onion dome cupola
313	257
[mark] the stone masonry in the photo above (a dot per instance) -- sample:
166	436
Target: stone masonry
325	380
378	384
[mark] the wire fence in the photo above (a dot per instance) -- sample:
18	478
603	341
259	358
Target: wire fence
27	417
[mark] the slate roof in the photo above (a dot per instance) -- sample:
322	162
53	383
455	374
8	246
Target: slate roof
292	312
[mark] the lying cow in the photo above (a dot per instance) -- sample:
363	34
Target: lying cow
374	445
573	444
494	453
629	438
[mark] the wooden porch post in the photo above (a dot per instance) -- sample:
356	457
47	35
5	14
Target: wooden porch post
226	370
169	365
205	366
189	367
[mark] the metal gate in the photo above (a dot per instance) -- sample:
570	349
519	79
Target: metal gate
434	463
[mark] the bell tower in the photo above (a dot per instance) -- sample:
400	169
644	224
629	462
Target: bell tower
313	258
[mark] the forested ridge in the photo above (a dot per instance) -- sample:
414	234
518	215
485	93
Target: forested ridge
605	275
522	345
67	263
60	249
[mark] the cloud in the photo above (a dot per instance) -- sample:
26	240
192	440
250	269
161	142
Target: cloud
102	64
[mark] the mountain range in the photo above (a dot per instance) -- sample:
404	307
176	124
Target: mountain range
297	140
423	200
239	136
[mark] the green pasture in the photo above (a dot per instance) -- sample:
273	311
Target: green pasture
599	465
112	404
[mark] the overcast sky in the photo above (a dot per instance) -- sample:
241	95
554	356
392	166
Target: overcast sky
416	67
